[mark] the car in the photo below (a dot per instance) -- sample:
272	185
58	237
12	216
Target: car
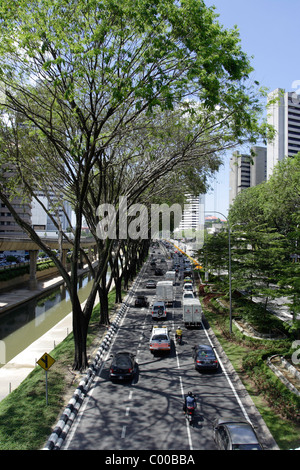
158	309
122	366
159	340
151	284
188	287
141	301
204	357
233	434
188	295
158	272
187	272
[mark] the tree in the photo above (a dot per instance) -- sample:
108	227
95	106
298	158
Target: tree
269	218
81	80
214	253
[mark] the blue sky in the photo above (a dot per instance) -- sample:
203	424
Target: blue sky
269	31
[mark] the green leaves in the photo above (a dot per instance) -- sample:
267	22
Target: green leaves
269	218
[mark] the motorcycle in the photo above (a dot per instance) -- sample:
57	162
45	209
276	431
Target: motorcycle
189	414
178	339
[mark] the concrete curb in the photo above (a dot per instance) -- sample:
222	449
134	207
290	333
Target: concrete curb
281	377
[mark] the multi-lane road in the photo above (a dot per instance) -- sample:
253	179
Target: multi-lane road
146	413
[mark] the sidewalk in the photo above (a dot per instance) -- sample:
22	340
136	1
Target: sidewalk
17	369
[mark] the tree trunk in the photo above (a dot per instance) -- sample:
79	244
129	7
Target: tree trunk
80	327
118	286
104	314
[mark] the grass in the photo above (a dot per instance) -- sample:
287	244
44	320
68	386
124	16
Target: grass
26	421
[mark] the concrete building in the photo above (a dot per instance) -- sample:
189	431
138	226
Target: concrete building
8	225
284	115
41	222
192	215
246	171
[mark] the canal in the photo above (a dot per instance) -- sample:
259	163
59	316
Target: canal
21	326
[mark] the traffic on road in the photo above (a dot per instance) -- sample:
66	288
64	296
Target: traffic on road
145	412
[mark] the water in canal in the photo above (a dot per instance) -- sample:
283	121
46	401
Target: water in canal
23	325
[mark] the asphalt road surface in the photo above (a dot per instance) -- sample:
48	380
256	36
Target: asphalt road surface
146	413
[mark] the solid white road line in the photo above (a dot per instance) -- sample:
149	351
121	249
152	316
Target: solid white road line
186	422
228	379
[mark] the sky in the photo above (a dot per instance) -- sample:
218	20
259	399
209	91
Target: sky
269	31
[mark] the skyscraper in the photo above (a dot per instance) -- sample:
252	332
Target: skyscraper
20	205
191	216
246	171
284	116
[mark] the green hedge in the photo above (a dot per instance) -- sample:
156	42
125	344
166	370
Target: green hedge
285	402
17	271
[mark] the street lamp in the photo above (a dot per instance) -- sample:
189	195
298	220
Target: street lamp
229	268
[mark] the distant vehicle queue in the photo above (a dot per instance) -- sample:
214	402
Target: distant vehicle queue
229	434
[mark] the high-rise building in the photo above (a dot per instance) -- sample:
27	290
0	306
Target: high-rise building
41	221
246	170
284	116
8	225
21	206
192	215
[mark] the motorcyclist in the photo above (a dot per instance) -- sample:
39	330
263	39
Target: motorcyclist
178	334
189	401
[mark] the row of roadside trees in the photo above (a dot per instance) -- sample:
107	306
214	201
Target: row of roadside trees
265	239
110	99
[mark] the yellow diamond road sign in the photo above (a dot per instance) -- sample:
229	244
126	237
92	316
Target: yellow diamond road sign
46	361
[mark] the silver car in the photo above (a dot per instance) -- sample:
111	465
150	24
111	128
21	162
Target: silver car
232	434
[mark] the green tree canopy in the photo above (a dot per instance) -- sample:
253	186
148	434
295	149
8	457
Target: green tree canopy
105	98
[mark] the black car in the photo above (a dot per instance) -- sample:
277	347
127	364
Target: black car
151	284
232	434
204	357
158	272
141	301
122	366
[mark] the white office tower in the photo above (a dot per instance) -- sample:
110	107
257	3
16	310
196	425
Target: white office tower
246	171
284	115
191	226
191	213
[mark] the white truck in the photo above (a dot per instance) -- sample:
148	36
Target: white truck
165	292
171	276
192	312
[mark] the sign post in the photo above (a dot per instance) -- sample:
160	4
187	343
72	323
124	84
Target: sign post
46	361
